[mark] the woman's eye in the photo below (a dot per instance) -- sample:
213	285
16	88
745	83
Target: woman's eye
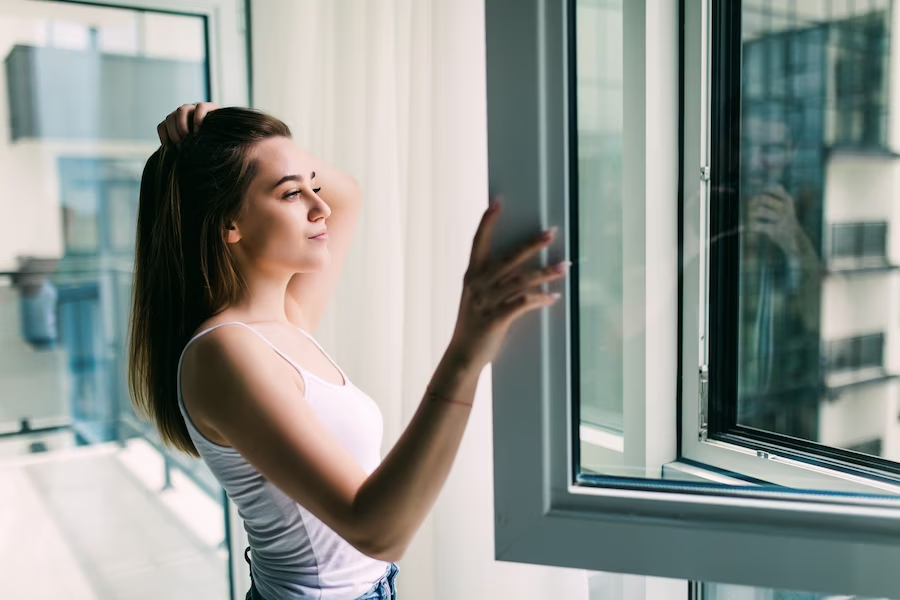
296	193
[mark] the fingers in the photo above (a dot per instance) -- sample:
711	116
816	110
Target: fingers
769	206
520	283
775	196
778	191
172	130
496	275
183	120
526	302
177	123
765	213
525	252
774	202
163	133
203	109
481	245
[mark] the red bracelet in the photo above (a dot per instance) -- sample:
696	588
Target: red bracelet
430	394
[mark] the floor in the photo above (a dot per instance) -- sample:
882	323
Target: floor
94	523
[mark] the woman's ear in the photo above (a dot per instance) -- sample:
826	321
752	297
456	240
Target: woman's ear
233	235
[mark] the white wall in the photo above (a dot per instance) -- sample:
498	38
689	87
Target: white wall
861	188
858	304
859	415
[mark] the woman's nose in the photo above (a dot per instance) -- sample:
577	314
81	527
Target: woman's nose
322	206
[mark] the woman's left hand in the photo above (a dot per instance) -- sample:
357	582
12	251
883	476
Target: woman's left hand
179	122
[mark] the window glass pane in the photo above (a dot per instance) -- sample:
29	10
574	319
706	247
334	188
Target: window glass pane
599	92
99	503
813	344
817	331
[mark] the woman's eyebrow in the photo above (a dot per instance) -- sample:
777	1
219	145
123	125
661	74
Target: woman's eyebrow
297	178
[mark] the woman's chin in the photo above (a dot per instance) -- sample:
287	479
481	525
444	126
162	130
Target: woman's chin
314	265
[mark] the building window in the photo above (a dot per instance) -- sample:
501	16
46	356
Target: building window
859	244
856	353
860	47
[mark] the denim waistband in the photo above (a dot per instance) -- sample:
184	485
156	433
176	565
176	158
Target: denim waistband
383	589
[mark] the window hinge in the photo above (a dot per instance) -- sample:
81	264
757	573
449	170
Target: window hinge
704	397
704	173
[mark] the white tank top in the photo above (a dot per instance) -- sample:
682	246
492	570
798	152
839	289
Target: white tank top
294	554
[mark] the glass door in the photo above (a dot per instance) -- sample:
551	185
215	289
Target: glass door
100	503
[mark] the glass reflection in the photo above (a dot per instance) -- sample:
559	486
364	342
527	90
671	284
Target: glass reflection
818	337
817	281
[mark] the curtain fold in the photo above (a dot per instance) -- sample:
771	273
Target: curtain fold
393	92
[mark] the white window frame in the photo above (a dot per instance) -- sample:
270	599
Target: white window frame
541	517
227	39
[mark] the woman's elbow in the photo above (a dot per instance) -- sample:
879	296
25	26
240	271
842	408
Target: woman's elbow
382	549
387	554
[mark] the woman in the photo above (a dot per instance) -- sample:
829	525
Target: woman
241	236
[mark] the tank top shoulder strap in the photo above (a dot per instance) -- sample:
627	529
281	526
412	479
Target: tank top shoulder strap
306	375
264	338
208	329
328	356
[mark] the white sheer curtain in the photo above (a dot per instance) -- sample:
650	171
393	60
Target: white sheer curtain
393	92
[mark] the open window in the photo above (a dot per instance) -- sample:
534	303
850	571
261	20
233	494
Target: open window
715	397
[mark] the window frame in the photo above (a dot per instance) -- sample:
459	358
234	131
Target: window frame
543	515
228	84
710	432
227	38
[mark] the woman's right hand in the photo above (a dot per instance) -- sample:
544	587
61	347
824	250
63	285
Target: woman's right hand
178	123
496	293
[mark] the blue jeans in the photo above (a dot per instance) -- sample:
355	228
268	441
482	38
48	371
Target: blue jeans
383	589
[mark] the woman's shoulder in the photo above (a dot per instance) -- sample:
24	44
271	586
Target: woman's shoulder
219	339
228	362
207	358
215	321
218	342
226	341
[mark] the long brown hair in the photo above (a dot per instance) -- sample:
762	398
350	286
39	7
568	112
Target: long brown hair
184	271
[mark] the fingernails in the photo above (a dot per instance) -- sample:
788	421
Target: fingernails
549	234
495	203
555	296
563	266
